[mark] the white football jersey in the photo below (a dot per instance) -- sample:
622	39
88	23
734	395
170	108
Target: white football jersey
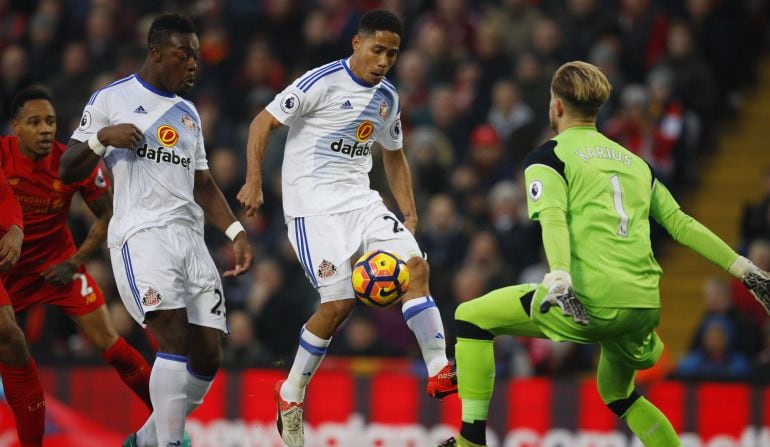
334	118
154	183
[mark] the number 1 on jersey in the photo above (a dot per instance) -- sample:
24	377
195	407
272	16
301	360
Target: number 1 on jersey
617	194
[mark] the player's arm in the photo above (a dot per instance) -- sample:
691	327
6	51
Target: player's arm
11	226
691	233
60	274
400	182
250	195
218	213
81	157
547	201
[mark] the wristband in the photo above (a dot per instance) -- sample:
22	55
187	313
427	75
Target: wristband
557	276
234	229
740	267
95	145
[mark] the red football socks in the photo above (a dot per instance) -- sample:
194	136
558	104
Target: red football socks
132	367
25	396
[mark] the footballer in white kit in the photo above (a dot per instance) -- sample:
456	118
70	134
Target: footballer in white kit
334	119
336	113
151	140
171	268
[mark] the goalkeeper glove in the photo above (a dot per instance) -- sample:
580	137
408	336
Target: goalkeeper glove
755	279
560	293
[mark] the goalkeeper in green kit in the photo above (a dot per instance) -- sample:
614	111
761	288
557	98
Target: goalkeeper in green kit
593	199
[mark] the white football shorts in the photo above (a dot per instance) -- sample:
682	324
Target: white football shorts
325	245
169	267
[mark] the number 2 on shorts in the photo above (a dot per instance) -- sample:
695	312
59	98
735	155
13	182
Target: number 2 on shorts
85	289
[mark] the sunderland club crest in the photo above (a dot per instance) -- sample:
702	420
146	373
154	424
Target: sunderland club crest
151	298
384	109
326	269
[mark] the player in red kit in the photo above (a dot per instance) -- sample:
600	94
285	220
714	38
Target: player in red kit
51	267
21	381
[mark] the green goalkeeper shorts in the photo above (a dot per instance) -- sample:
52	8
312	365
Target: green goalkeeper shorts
627	335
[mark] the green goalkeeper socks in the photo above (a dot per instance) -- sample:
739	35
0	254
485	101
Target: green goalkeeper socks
475	376
475	383
650	425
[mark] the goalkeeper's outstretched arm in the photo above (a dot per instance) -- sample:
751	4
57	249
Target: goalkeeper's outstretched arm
691	233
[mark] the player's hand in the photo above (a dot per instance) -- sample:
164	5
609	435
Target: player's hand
560	293
59	274
754	278
243	256
251	197
124	135
758	283
10	247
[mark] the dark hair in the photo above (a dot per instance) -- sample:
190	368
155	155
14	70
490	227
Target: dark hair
28	94
380	20
165	25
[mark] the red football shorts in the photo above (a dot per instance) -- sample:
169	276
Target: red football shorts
78	297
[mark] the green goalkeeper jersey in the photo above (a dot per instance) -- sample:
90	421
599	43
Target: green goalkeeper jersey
607	194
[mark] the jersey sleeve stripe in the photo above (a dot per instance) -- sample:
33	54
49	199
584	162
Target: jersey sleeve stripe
389	84
315	71
307	82
327	73
119	81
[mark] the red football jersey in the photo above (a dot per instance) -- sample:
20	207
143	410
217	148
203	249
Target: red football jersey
45	202
11	214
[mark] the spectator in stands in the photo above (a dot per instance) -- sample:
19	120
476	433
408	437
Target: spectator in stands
716	359
517	236
755	223
487	158
241	350
360	337
719	303
513	120
634	128
693	80
643	31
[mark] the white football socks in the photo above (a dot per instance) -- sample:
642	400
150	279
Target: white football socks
196	387
168	381
310	353
423	318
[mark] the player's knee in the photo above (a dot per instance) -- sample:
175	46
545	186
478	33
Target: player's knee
419	272
337	311
463	312
621	406
12	344
465	328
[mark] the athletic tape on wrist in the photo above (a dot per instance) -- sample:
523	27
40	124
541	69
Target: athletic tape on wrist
95	145
234	229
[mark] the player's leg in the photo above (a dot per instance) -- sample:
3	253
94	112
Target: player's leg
502	311
616	387
168	379
93	319
21	381
149	272
635	346
383	231
324	246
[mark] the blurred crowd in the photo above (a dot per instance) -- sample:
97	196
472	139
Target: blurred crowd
473	78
